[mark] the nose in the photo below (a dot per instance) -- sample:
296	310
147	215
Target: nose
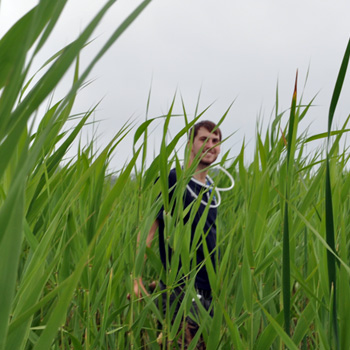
209	144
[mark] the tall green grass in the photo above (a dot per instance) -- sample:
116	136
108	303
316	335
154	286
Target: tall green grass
37	218
68	233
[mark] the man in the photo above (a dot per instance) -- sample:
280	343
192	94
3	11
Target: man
204	148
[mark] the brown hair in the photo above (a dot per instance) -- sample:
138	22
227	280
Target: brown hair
207	124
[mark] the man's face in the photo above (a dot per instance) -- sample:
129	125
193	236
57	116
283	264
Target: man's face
211	149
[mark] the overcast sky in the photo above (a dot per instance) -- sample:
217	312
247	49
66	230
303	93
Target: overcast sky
231	50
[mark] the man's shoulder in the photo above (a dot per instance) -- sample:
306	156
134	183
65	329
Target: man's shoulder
172	173
172	177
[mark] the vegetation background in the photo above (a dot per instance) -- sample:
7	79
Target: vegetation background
68	233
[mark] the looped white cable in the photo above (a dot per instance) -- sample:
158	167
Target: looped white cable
223	189
216	189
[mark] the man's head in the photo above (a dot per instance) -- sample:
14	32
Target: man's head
207	124
207	133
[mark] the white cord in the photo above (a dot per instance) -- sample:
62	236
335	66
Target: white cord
217	189
228	175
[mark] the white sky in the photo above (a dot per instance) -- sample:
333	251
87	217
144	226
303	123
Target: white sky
231	50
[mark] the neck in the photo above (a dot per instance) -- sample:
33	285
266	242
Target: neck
201	173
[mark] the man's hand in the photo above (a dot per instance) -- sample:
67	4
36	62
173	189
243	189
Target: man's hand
139	288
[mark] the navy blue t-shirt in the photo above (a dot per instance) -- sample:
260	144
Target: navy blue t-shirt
209	228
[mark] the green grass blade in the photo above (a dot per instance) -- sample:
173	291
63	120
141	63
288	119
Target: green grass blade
338	86
58	314
330	232
284	336
12	213
332	275
293	123
324	135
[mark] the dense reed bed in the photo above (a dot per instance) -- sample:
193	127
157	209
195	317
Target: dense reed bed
68	232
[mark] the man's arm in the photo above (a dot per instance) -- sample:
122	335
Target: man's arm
138	284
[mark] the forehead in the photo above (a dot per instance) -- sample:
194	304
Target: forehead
203	132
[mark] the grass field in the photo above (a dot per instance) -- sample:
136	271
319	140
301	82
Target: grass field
68	232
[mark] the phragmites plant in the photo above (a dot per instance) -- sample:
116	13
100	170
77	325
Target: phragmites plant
68	233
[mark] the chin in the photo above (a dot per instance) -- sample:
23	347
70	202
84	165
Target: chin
207	162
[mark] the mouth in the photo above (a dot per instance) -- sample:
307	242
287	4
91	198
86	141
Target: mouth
209	153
